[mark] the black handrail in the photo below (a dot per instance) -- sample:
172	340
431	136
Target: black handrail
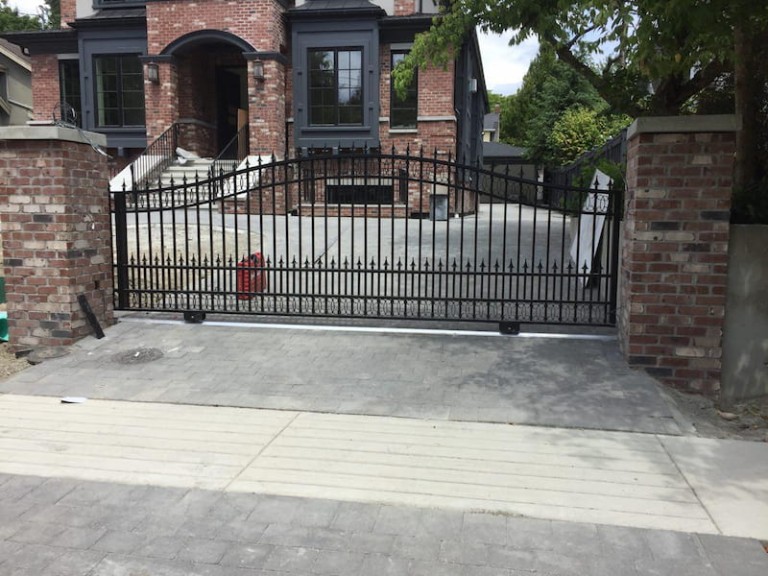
155	158
237	149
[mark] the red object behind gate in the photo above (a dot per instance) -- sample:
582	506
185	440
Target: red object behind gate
251	276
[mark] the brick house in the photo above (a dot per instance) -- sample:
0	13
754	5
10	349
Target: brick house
302	75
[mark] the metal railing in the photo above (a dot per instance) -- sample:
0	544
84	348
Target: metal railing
230	157
156	158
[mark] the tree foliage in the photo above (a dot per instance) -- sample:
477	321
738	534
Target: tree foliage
550	91
12	21
642	56
52	14
581	129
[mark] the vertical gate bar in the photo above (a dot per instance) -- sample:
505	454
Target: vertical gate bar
268	263
249	232
224	286
149	270
119	209
174	260
451	189
324	267
593	253
277	263
520	271
460	176
490	243
231	293
402	182
561	278
432	295
209	274
618	199
547	264
475	247
366	152
505	218
379	216
162	269
405	298
344	263
533	260
579	205
311	270
288	288
300	290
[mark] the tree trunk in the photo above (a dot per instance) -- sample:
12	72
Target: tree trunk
747	93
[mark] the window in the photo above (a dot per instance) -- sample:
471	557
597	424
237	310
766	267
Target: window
336	87
69	90
403	111
359	194
119	91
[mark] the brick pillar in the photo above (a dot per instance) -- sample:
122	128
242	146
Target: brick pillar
675	248
266	109
162	99
56	234
45	87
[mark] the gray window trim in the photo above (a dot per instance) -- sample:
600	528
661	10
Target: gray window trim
131	40
330	34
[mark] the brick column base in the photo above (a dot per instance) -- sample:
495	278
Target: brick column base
56	234
675	248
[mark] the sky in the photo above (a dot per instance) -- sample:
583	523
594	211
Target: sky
504	65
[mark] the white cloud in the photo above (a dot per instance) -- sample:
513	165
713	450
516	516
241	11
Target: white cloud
29	7
505	65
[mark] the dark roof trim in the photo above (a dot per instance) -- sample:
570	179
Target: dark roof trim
204	36
122	18
283	3
403	28
335	10
45	42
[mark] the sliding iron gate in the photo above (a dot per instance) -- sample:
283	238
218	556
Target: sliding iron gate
372	235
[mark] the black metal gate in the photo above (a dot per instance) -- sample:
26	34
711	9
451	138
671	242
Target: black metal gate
373	235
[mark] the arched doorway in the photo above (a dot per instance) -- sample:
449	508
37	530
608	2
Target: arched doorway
212	91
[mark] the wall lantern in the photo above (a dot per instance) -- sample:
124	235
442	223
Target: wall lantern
153	73
258	70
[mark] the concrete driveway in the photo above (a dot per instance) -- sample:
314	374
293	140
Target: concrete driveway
551	380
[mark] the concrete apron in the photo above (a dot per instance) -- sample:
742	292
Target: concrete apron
547	381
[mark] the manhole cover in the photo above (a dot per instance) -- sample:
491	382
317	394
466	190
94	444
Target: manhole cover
138	356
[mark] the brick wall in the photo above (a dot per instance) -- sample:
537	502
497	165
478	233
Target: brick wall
259	22
56	234
68	11
162	102
435	99
675	246
45	86
266	109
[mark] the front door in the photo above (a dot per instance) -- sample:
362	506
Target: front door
230	99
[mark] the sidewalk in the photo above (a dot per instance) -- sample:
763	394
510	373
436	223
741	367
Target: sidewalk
104	487
363	453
